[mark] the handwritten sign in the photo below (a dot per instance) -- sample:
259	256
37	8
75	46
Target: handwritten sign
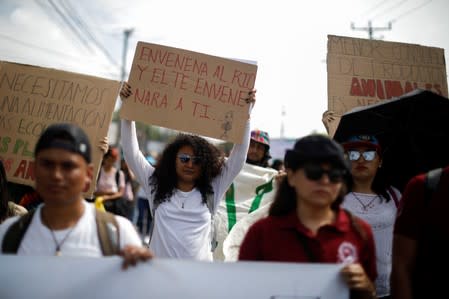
363	72
189	91
31	98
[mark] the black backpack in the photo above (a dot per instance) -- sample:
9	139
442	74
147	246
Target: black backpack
107	226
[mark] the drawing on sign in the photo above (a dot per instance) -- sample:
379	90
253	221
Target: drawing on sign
227	124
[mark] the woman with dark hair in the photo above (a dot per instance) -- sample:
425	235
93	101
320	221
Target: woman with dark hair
184	188
7	207
305	223
111	183
374	200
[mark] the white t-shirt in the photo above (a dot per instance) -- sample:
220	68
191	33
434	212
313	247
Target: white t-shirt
381	216
81	241
181	232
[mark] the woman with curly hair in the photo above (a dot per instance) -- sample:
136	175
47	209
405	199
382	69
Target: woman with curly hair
184	188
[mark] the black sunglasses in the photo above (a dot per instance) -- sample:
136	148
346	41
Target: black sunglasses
315	172
184	158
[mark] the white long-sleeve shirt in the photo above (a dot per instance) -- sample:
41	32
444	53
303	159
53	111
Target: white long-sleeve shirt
183	223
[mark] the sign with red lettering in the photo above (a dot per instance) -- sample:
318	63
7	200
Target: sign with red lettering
31	98
363	72
189	91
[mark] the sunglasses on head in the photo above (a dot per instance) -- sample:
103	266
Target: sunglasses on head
185	158
315	172
354	155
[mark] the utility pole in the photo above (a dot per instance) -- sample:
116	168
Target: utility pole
126	35
371	29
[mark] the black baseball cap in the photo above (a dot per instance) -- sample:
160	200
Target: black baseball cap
65	136
316	148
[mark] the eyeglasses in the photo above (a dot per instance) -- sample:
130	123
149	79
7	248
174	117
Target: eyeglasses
315	172
184	158
354	155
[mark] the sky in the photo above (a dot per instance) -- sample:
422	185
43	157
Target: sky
287	39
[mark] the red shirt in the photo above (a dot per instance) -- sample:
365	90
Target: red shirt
286	239
424	217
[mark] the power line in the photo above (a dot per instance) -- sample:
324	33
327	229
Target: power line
410	11
62	54
374	7
47	50
76	18
68	23
390	8
52	15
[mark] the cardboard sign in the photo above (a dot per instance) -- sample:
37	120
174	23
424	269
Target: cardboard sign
363	72
32	98
189	91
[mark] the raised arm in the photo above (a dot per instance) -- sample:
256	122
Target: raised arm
128	138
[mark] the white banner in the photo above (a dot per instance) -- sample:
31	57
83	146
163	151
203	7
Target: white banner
68	277
252	189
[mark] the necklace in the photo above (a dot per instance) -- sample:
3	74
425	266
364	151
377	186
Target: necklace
367	206
59	244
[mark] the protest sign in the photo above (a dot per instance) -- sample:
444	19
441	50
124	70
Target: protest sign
363	72
77	277
189	91
32	98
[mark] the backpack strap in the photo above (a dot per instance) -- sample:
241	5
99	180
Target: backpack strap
108	233
14	235
117	177
394	196
433	179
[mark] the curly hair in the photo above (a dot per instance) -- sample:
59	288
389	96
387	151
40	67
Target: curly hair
164	178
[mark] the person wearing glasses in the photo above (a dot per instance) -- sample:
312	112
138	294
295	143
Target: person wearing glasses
306	224
184	188
371	198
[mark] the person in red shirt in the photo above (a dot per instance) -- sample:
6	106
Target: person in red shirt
305	222
421	239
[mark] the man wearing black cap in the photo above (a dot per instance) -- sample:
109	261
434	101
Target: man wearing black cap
66	224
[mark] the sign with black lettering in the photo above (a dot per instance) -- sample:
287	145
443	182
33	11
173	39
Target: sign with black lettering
31	98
